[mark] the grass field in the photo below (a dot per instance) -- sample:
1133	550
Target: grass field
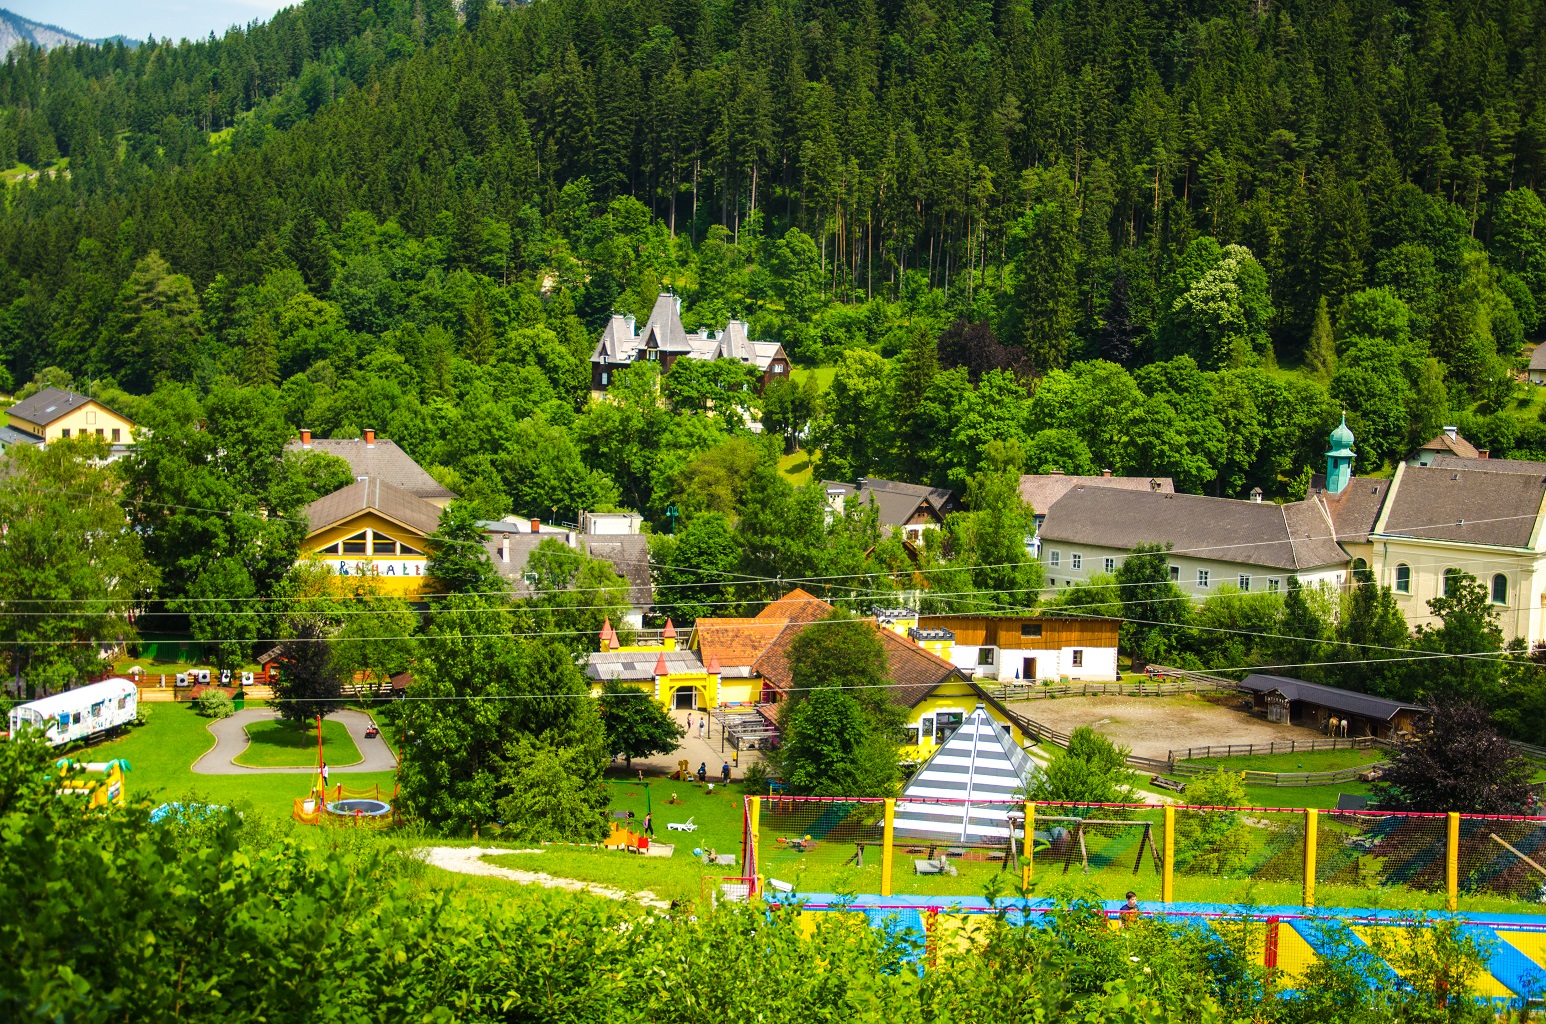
283	745
1314	761
823	375
796	468
161	753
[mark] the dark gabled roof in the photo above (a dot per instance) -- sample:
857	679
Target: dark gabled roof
1328	696
1042	490
1293	537
49	404
628	554
10	436
382	460
664	327
394	503
1478	504
894	501
1523	467
1353	512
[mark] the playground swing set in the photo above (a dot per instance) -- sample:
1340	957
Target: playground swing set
338	805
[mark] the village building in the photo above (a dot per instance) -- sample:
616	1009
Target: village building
1312	705
510	542
1537	369
1447	444
1014	648
57	413
910	508
664	340
373	528
1250	545
378	458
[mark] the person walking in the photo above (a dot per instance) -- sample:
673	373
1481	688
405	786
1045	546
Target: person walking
649	823
324	775
689	723
703	721
703	771
724	772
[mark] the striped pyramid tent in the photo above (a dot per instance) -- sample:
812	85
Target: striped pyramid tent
980	772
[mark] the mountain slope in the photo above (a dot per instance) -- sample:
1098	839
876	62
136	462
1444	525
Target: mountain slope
16	29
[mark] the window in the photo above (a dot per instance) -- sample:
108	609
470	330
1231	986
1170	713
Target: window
1499	589
1451	582
355	545
1175	574
91	416
604	376
1055	558
945	724
381	544
1403	578
99	431
1076	560
1245	584
65	432
1202	577
985	656
1361	573
1030	629
1078	659
1111	565
331	549
75	719
778	367
403	549
1273	583
117	435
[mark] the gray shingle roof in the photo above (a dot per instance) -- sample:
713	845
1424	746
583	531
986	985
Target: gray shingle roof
1296	537
894	501
1042	490
1538	358
393	502
10	436
637	665
1354	511
383	460
48	405
629	555
1328	696
1472	505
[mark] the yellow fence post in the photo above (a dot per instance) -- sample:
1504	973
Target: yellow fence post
1452	863
887	847
1168	879
1029	846
1311	823
753	862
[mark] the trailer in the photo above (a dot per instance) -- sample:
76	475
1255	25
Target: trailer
81	713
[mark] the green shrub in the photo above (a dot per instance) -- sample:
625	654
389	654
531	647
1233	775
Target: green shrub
214	704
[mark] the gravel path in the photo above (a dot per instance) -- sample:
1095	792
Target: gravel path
468	860
231	739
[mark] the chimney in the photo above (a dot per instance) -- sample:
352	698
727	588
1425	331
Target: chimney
633	328
504	548
1106	473
1256	495
305	437
1450	432
536	525
1482	453
370	436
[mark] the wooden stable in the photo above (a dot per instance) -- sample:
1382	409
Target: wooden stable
1024	632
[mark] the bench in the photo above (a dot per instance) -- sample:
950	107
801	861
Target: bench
1170	784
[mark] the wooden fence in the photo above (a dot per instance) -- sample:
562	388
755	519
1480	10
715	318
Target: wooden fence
1281	747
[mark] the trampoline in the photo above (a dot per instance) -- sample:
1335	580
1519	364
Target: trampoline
360	807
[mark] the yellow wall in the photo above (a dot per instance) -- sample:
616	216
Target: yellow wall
740	691
1524	616
397	575
952	696
89	417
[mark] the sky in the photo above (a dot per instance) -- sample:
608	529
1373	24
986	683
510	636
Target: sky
192	19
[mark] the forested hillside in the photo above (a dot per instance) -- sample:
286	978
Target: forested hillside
371	199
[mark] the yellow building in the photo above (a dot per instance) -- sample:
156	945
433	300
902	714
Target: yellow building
372	528
55	413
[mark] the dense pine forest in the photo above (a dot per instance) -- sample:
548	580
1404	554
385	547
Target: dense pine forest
1151	237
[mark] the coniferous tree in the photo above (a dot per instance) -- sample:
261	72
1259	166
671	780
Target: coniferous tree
1320	352
309	683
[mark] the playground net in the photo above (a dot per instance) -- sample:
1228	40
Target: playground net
1219	854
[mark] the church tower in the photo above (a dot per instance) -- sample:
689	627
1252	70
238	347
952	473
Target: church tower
1339	460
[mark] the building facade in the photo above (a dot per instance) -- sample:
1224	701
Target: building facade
56	413
664	340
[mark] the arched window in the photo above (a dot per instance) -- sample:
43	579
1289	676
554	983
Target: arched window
1451	582
1499	589
1361	571
1403	578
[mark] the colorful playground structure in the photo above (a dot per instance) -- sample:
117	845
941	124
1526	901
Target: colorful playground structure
337	805
101	782
1306	879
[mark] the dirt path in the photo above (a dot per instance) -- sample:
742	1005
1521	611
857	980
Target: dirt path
468	860
231	739
1154	726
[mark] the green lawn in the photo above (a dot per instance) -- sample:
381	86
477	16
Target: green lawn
1315	761
796	468
283	745
823	375
161	752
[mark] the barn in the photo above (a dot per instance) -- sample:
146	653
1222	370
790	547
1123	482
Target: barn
1285	699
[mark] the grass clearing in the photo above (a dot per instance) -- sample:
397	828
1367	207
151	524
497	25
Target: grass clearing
284	745
1310	761
796	468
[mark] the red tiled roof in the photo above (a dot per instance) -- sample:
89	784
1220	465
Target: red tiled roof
735	642
797	606
913	671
